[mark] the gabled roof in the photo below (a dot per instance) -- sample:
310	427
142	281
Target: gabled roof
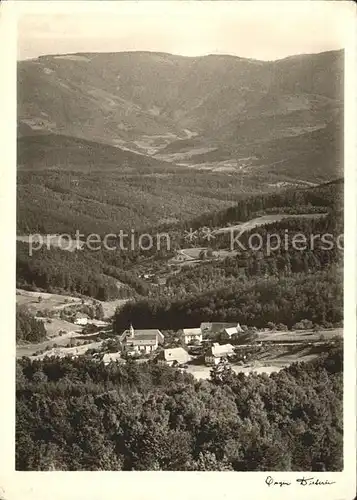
176	354
123	335
216	327
145	336
110	356
149	335
231	331
192	331
80	315
143	340
220	350
147	332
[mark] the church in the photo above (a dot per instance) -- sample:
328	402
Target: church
144	341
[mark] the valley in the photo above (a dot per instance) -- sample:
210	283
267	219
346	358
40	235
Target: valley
65	339
198	355
180	149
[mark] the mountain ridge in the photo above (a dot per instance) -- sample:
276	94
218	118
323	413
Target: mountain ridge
172	93
220	126
163	53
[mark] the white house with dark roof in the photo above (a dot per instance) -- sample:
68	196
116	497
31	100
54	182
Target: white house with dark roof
217	353
80	319
111	356
176	356
192	335
145	341
215	327
231	332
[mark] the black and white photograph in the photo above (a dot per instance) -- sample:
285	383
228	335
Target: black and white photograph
180	180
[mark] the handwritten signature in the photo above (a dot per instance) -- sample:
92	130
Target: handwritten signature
301	481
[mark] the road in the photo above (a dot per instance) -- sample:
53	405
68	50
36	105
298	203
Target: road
30	349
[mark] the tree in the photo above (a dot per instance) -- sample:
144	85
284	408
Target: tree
202	255
99	311
28	328
221	373
207	461
78	414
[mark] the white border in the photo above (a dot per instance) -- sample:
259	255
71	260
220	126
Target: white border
154	485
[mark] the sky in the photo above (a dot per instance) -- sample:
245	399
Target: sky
257	29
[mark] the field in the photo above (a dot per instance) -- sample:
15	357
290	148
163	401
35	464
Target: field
191	256
191	253
110	306
265	219
31	349
69	351
59	344
272	359
300	336
39	302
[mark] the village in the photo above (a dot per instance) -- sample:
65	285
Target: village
80	328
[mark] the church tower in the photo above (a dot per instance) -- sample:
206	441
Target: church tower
131	330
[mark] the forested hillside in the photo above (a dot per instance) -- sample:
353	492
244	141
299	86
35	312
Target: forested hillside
28	328
326	197
98	273
54	201
126	140
255	302
81	415
79	273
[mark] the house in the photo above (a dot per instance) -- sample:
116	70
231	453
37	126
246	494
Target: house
110	356
80	319
205	327
176	356
144	341
231	332
181	256
191	335
217	353
216	327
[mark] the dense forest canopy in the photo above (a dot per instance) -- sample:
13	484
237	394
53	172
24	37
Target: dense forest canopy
28	328
324	197
106	274
279	299
81	415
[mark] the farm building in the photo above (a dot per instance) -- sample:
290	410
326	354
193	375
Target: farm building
231	332
217	353
80	319
191	335
141	340
213	328
176	356
110	356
